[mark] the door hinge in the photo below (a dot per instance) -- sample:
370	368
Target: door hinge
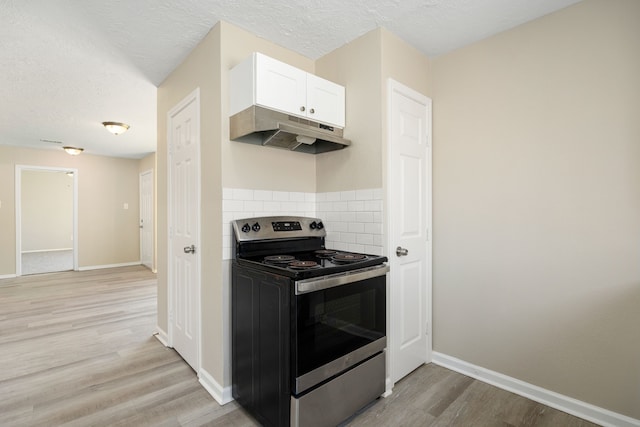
428	235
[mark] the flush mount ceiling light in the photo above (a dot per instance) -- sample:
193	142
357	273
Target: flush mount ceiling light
116	128
74	151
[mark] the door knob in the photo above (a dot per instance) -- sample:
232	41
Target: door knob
400	251
190	249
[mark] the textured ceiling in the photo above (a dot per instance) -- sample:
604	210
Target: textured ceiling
68	65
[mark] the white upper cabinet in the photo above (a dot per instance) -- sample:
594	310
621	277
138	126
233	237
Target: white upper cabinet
325	101
261	80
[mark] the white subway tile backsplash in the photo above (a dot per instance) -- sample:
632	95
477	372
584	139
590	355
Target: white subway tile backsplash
333	196
356	227
262	195
364	216
296	197
255	206
347	195
242	194
340	206
354	247
364	238
281	196
340	246
348	237
271	206
373	250
356	206
288	208
348	216
353	219
331	216
373	228
232	205
339	226
364	194
373	206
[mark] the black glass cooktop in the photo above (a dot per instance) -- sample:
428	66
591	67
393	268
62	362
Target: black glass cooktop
309	264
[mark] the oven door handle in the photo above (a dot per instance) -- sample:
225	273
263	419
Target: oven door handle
331	281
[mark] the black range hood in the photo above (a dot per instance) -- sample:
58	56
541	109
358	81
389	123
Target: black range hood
262	126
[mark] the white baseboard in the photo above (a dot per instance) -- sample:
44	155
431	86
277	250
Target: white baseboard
99	267
8	276
47	250
555	400
162	336
221	394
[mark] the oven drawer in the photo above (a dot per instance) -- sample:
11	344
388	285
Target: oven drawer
341	397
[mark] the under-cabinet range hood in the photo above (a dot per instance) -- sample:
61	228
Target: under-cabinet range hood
259	125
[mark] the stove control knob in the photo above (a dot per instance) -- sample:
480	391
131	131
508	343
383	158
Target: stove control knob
320	225
245	228
313	225
256	227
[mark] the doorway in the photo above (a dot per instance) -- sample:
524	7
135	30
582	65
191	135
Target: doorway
46	219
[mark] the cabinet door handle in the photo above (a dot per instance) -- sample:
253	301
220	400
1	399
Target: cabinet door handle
312	111
302	108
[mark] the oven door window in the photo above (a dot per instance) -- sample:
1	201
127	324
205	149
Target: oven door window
336	321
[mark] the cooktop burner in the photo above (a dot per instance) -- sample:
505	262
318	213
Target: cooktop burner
348	258
279	259
301	265
325	253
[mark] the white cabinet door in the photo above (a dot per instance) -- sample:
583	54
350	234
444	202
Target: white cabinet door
325	101
261	80
280	86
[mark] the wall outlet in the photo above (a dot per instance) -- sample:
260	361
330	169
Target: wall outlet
126	206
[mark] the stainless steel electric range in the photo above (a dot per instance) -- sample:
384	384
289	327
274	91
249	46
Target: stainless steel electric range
308	324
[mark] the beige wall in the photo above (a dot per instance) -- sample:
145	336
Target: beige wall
357	67
247	165
107	233
199	70
244	166
536	206
46	210
363	67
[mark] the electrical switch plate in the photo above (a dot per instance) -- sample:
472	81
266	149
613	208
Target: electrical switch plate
126	206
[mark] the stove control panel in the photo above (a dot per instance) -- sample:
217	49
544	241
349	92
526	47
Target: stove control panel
277	227
286	226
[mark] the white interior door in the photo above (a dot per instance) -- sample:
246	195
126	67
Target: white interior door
409	198
184	225
146	219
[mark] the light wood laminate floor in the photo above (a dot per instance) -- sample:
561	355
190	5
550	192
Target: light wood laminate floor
76	349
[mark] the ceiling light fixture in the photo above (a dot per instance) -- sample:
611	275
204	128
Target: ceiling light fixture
116	128
74	151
